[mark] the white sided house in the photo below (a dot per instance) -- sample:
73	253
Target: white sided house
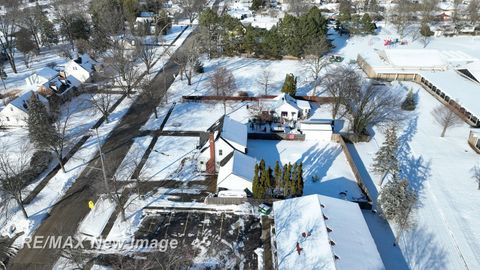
41	76
236	173
320	232
317	129
226	135
82	68
288	108
15	114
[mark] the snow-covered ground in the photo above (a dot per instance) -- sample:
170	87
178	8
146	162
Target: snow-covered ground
61	182
172	158
447	233
447	218
322	160
196	116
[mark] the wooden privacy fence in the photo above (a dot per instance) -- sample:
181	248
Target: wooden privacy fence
339	139
257	98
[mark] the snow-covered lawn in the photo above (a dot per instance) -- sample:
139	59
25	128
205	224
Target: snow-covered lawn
324	160
247	72
439	170
132	158
172	158
196	116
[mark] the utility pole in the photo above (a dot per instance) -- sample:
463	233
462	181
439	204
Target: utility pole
102	161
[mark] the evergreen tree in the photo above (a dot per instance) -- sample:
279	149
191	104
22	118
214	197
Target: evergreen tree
290	31
386	157
269	183
409	102
426	34
40	128
273	44
256	182
290	85
299	180
277	175
286	179
368	27
396	202
345	11
256	4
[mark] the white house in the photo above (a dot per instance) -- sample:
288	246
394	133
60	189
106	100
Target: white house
320	232
15	114
236	172
81	68
317	129
226	135
40	77
289	109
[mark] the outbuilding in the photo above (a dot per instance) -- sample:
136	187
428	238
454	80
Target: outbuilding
317	129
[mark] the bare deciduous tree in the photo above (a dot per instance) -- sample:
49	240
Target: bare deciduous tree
298	7
473	10
446	118
187	58
149	93
335	81
223	82
402	13
315	61
191	8
427	8
148	54
476	174
126	74
265	80
102	101
8	28
12	178
456	4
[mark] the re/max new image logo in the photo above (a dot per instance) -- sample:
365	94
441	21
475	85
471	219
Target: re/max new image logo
71	242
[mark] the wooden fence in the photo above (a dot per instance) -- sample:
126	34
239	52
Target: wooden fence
339	139
257	98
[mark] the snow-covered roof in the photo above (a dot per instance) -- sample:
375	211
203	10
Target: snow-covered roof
21	102
332	234
283	99
239	165
86	62
234	131
471	71
317	124
46	73
59	85
465	91
303	104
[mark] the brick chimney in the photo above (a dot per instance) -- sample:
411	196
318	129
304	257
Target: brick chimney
211	167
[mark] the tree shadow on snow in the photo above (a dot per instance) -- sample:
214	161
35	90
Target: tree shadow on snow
422	251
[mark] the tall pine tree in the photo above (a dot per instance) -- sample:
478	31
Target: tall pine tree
386	157
40	128
299	180
290	85
256	182
277	176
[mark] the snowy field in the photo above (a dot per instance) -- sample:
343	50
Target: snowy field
172	158
320	159
132	158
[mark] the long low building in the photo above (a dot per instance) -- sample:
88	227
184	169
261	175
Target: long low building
456	83
320	232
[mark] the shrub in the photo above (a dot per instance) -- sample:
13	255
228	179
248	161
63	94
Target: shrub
242	93
409	103
199	67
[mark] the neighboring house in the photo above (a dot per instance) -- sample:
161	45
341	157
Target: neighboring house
474	140
288	108
317	129
60	85
226	135
15	114
320	232
40	77
82	68
236	173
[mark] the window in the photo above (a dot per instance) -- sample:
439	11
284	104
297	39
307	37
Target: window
220	152
284	114
8	119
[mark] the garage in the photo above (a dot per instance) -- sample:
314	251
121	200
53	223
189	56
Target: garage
317	129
